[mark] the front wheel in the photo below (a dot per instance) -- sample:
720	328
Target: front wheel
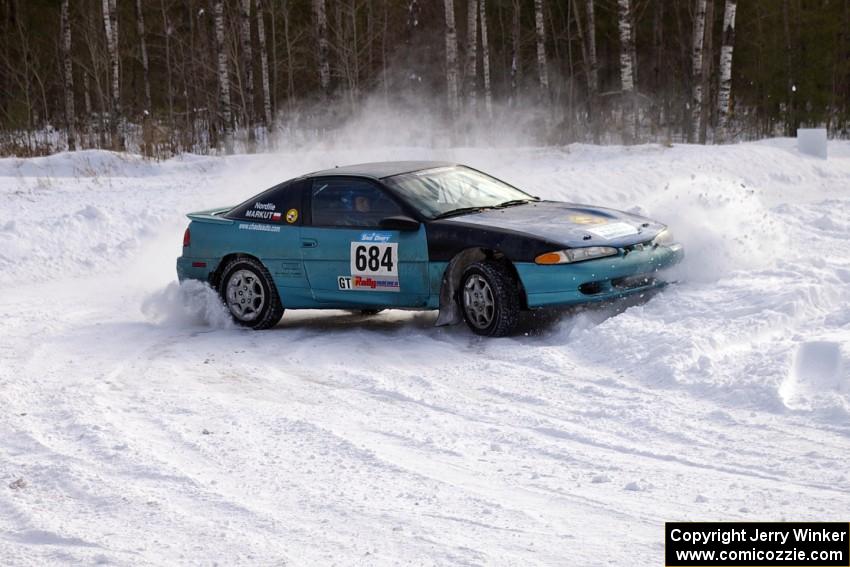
490	299
250	294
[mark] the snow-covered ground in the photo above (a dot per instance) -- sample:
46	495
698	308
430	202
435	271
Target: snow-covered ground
139	427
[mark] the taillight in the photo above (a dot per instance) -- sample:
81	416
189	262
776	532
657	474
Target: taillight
187	238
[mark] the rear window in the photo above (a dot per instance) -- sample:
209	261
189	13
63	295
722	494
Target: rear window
279	205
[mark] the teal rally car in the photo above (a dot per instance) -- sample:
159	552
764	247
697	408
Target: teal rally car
419	235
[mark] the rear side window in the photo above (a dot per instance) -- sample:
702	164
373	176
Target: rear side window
350	202
279	205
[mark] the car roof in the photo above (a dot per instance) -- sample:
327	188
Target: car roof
381	169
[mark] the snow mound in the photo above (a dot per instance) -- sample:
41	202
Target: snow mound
819	378
188	304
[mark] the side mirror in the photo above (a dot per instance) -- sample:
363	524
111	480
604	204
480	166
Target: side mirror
399	223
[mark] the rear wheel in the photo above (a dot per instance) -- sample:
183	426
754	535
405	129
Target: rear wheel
489	299
250	294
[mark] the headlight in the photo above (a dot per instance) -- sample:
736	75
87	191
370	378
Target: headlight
664	238
575	255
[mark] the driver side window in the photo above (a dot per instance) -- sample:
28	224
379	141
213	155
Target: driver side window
350	202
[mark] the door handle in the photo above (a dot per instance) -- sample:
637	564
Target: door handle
309	243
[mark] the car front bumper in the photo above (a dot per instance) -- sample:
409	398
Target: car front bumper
597	280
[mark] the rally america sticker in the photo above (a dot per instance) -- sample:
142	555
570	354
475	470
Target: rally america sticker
613	230
365	283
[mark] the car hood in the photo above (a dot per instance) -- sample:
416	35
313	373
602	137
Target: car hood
569	224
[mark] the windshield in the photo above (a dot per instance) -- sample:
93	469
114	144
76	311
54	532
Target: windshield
441	191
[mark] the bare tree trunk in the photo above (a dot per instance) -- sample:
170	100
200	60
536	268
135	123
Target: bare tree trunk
451	57
516	60
660	95
169	76
725	88
627	80
140	29
485	55
471	52
264	65
191	78
696	75
247	66
223	79
87	103
593	78
626	62
790	119
322	32
290	68
68	69
110	26
542	71
707	70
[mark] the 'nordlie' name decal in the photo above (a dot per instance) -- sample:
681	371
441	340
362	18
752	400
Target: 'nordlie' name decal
264	206
259	227
613	230
375	236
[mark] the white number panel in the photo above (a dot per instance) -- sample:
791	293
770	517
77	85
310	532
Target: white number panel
374	259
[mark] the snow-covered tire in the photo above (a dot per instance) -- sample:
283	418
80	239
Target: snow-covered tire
248	292
489	299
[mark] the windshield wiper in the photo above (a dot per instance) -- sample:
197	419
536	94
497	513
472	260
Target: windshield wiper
513	202
461	211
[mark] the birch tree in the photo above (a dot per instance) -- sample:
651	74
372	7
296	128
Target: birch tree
223	79
471	71
696	69
320	12
725	87
247	66
542	72
68	70
110	27
516	61
485	55
143	51
707	69
627	81
451	57
264	65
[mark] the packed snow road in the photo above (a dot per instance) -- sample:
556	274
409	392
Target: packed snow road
139	427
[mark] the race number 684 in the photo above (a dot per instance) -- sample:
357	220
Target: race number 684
374	259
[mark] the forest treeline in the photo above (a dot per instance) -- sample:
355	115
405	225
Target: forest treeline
168	76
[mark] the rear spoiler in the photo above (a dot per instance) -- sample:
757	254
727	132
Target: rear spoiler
211	215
